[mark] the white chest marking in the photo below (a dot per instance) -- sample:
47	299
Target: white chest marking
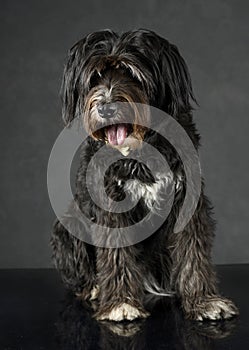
150	193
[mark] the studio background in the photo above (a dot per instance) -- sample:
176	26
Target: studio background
35	37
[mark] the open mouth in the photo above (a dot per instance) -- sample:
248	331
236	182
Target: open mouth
116	134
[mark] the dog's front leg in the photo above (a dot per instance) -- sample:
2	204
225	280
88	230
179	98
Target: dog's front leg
74	259
120	281
193	277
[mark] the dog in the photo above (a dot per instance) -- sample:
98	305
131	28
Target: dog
137	67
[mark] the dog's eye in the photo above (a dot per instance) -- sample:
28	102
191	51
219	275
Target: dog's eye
94	79
133	72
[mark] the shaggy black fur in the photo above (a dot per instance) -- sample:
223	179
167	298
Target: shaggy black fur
138	66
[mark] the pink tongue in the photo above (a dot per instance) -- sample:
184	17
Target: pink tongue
121	133
111	134
116	134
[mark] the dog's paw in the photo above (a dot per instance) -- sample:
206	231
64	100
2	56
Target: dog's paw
213	308
122	312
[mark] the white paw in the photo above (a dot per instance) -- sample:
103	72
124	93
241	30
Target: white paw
123	312
215	309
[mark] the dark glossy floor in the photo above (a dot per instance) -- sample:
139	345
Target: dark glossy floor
35	313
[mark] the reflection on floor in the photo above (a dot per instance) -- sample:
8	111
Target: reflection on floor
36	313
165	329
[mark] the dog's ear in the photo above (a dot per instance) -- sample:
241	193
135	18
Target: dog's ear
70	87
81	65
164	71
177	85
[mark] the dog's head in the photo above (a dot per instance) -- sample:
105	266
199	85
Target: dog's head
107	76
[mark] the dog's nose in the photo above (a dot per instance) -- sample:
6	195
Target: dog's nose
107	110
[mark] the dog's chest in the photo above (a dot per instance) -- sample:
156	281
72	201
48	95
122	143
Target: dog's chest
129	178
152	194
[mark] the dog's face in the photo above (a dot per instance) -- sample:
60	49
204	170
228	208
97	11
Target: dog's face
107	78
112	111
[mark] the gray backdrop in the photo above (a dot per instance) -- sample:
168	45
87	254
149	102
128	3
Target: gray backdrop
35	36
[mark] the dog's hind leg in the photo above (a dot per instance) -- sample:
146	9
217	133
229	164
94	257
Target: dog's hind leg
193	277
75	261
120	278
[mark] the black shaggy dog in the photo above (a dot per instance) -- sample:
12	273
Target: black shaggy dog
104	69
